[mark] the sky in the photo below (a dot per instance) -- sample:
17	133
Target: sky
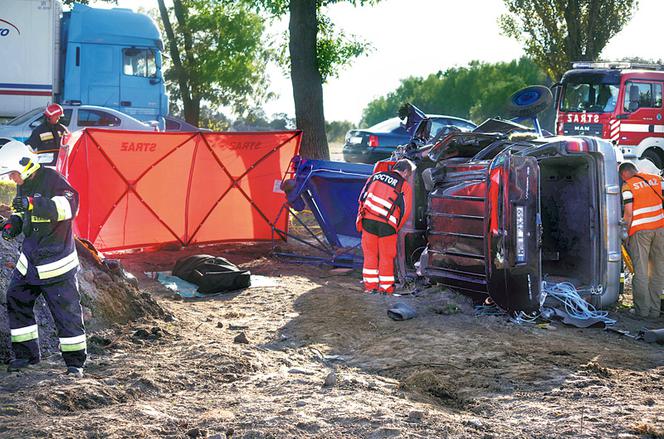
419	37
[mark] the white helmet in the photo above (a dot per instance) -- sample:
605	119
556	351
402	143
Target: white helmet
17	156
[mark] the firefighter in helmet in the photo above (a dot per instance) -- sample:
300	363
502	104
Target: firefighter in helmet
47	138
384	206
44	208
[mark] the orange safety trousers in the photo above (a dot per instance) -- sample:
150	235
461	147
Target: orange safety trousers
379	253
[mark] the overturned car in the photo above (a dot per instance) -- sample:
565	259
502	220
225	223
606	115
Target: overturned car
497	211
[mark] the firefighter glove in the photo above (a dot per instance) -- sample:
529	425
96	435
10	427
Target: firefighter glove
9	231
21	204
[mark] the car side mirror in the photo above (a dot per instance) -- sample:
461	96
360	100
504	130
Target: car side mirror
155	80
34	124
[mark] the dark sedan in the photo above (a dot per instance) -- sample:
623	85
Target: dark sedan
379	141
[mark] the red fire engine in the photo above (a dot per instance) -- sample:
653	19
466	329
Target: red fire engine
617	101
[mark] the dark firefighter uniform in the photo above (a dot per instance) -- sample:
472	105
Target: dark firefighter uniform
384	205
47	265
46	140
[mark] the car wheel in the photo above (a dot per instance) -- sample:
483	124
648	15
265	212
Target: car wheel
654	158
529	101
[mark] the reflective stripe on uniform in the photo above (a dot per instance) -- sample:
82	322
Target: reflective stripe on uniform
22	264
647	220
370	279
380	201
380	211
58	267
25	333
369	271
63	207
646	210
70	344
386	278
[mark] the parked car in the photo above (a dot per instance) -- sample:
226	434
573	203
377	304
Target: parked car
176	124
75	118
499	210
381	140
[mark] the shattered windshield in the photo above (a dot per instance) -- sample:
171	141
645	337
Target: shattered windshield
590	97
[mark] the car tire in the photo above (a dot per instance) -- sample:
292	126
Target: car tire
529	101
654	157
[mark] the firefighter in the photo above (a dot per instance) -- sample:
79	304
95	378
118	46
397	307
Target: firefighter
384	206
44	208
644	217
47	138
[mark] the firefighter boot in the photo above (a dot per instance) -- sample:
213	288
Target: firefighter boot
20	364
75	372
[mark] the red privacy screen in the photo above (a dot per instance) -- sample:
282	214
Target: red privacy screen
139	189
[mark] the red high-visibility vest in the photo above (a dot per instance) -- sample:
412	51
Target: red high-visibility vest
385	198
644	191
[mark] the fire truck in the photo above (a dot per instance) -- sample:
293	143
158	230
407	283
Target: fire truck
618	101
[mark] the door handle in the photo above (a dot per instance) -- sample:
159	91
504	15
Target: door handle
125	103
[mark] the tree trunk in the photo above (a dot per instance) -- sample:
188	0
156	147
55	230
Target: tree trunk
306	79
191	107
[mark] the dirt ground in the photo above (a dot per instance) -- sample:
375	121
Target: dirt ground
314	357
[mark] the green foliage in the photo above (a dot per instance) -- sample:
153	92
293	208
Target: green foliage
221	56
336	130
334	48
7	192
477	91
557	32
256	120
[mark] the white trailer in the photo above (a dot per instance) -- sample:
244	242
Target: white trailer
29	48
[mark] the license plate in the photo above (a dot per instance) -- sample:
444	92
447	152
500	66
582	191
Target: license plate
355	140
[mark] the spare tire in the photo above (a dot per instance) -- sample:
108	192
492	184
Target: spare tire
529	101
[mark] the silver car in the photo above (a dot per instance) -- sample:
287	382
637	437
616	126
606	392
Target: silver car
75	118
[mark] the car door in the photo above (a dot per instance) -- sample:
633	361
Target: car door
513	232
643	104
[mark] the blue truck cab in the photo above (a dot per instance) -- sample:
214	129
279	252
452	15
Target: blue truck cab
113	59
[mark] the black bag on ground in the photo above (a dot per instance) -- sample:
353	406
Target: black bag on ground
212	274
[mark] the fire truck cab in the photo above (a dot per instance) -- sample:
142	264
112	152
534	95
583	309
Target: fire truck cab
618	101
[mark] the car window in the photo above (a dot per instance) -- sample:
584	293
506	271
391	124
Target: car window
465	126
386	126
66	118
97	118
139	62
439	124
25	117
650	94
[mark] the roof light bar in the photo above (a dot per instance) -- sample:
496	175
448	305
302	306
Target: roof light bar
615	65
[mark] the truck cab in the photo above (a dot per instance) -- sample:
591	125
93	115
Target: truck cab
86	56
113	59
620	102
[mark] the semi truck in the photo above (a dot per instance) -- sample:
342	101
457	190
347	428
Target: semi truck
105	57
617	101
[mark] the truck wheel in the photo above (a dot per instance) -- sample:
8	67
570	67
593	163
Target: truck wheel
655	158
529	101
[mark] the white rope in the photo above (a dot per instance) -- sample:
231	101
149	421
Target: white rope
573	304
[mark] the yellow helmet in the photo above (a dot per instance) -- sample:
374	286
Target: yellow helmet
17	156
